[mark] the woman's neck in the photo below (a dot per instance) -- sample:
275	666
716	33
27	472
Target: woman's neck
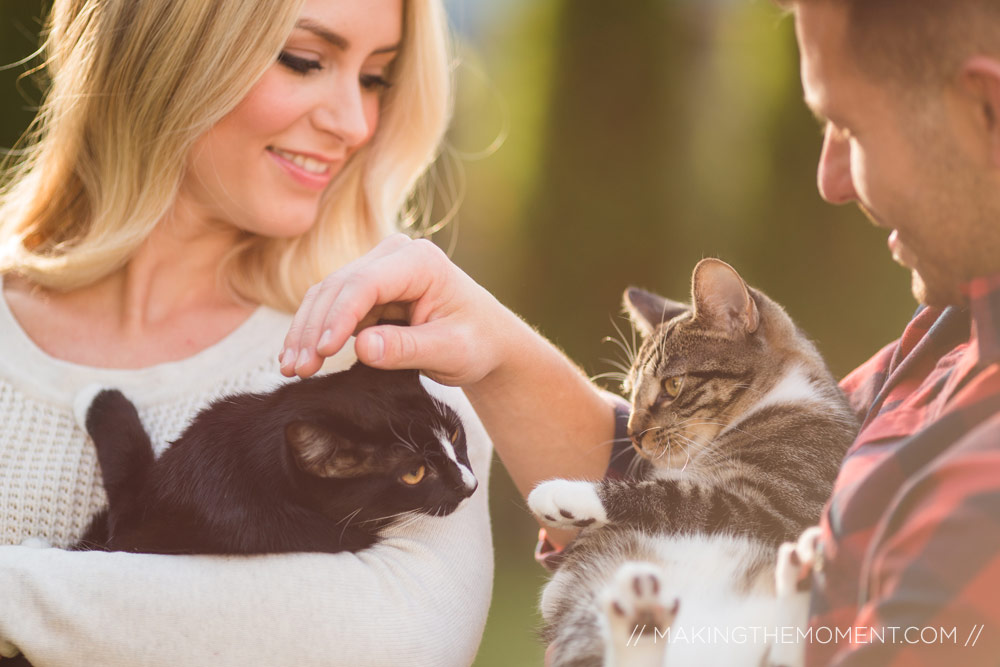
165	304
175	270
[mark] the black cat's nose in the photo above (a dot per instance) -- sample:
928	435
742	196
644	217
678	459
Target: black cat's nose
470	487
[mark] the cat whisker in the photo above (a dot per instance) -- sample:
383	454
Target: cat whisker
620	365
606	442
347	521
351	516
404	441
613	375
621	341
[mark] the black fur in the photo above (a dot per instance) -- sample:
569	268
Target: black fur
233	483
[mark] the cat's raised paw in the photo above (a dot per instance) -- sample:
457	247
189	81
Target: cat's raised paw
565	504
795	560
638	607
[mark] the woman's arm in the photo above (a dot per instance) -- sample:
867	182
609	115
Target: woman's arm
545	418
418	598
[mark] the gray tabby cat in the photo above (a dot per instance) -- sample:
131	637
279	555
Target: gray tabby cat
742	429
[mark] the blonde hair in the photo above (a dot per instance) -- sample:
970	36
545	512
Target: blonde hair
134	84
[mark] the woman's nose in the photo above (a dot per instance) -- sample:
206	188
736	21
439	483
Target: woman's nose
344	114
833	175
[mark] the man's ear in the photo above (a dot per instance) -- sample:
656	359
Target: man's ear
979	78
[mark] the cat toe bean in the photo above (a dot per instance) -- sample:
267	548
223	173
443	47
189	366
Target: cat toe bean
638	611
561	503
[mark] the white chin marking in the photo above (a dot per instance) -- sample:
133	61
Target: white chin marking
467	477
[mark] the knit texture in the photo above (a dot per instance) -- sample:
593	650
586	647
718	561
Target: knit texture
418	598
50	484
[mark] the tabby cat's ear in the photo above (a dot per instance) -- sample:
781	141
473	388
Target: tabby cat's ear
722	299
648	310
322	453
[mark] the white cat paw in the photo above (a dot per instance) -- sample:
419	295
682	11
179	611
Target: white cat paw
82	401
35	543
639	611
565	504
794	558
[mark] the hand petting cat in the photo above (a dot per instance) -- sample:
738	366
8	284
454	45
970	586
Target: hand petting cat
544	416
454	333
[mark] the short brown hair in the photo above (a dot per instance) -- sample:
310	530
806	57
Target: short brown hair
921	42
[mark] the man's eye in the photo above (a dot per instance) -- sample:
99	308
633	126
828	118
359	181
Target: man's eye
297	64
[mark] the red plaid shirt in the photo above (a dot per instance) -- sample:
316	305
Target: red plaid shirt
910	567
910	555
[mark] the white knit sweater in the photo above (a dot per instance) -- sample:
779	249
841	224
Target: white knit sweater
420	597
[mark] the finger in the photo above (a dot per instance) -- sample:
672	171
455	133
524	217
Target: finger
298	355
409	276
435	348
290	350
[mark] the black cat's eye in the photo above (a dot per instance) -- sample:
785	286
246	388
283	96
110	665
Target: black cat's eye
454	436
413	477
672	386
298	64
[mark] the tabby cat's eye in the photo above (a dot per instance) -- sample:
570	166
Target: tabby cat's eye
672	386
414	476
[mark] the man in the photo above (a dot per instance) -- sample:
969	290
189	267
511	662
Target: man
909	91
909	567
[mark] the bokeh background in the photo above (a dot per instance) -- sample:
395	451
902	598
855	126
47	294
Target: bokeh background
599	144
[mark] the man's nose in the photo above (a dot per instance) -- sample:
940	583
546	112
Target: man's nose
833	175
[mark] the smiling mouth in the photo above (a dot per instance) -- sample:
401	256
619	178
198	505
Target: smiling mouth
309	164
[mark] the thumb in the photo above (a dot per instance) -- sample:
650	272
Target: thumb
392	347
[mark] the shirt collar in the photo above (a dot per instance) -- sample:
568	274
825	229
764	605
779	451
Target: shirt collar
984	306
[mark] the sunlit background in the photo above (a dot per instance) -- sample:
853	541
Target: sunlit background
599	144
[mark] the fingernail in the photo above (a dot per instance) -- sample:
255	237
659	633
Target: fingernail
324	340
376	347
303	359
287	357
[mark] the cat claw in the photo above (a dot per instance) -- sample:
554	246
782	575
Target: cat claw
565	504
639	612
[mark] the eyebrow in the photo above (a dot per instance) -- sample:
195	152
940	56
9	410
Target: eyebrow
332	38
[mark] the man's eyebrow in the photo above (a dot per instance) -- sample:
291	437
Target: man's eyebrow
333	38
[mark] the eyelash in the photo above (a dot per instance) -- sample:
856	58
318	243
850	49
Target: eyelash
304	66
297	64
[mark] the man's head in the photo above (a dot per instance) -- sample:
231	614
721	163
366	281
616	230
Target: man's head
909	91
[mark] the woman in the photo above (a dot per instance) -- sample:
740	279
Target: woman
196	166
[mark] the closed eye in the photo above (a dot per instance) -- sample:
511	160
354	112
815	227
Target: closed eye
298	64
375	83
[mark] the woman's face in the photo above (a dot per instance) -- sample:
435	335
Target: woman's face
264	166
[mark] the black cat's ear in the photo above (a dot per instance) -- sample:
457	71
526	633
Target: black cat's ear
319	452
648	310
722	299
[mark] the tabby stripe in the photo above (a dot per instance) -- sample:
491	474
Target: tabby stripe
720	375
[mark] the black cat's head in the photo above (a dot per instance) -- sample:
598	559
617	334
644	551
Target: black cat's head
370	444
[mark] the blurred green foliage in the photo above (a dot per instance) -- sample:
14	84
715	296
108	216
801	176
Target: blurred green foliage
638	138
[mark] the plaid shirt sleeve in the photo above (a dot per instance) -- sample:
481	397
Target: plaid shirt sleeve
932	591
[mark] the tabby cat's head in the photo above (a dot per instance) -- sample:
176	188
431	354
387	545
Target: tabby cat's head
701	367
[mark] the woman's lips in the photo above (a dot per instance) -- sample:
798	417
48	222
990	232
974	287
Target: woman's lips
306	170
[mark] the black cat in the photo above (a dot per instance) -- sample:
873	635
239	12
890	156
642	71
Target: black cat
320	464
